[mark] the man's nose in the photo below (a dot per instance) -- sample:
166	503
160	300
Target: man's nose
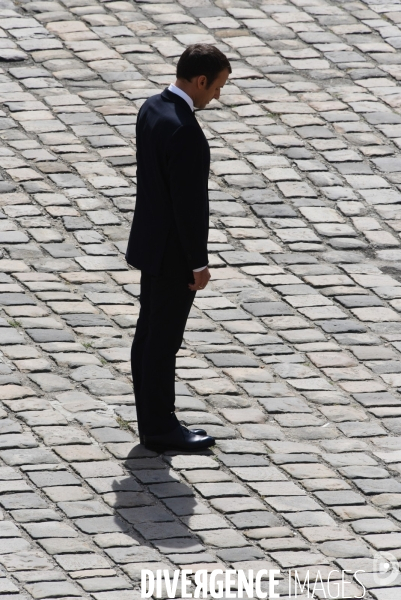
217	95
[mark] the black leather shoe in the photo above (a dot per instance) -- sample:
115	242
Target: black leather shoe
180	438
196	431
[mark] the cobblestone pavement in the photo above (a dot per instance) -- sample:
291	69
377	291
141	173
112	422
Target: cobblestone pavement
291	355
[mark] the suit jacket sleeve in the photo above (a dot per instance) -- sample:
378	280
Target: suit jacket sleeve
188	164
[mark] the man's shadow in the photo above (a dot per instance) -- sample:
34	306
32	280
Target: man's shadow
148	505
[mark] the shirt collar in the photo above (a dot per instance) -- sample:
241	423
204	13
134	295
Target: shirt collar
176	90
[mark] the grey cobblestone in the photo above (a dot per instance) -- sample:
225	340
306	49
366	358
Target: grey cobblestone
291	356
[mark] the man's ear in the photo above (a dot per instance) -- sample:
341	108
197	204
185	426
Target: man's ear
202	81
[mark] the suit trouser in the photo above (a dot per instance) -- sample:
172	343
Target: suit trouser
165	306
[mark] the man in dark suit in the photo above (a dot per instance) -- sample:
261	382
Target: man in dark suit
168	240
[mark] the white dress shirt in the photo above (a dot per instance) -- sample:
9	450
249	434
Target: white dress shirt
176	90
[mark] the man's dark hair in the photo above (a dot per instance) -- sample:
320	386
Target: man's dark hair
202	59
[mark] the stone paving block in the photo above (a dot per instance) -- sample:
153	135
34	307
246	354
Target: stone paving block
49	478
297	559
14	545
101	525
72	453
43	589
120	595
67	493
51	383
74	562
281	120
25	561
49	530
134	554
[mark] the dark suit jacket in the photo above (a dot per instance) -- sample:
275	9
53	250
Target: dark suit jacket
171	219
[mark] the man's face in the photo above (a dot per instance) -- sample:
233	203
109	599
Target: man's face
205	94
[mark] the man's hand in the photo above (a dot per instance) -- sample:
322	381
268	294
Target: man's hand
201	279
